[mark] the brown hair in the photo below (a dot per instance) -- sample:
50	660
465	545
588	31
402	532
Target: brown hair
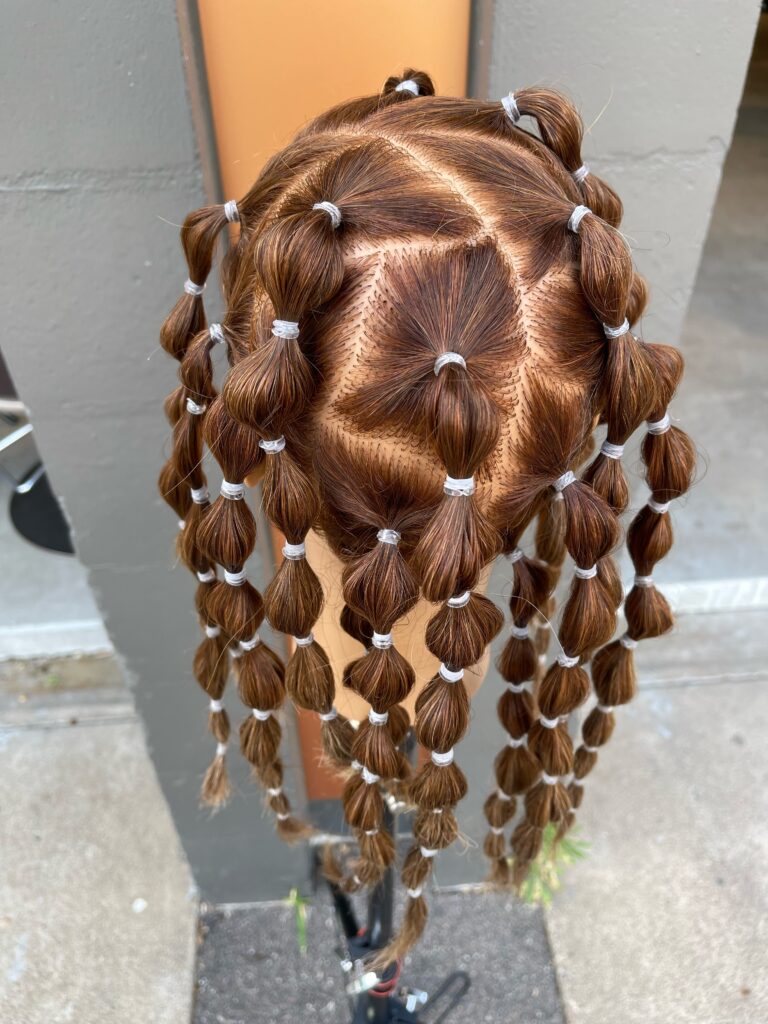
428	312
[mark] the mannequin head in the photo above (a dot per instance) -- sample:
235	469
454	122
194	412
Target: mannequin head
428	312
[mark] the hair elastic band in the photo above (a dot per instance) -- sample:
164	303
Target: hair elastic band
231	211
515	556
517	741
328	716
450	675
459	487
235	652
261	715
206	577
272	447
449	357
659	507
235	579
382	641
288	330
577	216
585	574
274	791
564	481
502	795
510	106
249	645
304	641
294	552
659	426
497	831
371	831
355	765
519	632
628	642
437	810
378	718
387	536
282	816
181	523
643	581
216	334
460	600
216	706
548	780
591	750
369	777
427	852
414	893
616	332
200	495
408	86
232	491
521	687
193	289
194	408
212	632
332	210
611	451
549	723
442	760
606	709
580	174
221	749
567	662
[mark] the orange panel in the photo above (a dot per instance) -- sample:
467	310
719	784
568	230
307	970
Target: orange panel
272	65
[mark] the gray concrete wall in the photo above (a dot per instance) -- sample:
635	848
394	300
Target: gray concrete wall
99	166
659	83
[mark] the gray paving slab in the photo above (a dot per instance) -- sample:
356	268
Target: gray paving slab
667	920
97	907
250	969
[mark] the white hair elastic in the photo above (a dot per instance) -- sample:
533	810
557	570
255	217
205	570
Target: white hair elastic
549	723
591	750
567	662
235	579
249	645
519	632
288	330
577	216
355	766
212	632
304	641
517	741
606	709
449	357
206	577
378	718
502	795
181	523
521	687
282	816
216	334
659	507
231	211
450	675
221	749
193	289
414	893
564	481
580	174
235	652
328	716
369	777
659	426
510	106
216	706
459	487
643	581
387	536
232	491
262	715
332	210
460	600
382	641
628	642
272	447
616	332
515	555
371	831
194	408
294	552
585	574
408	86
611	451
427	852
199	494
497	831
442	760
548	780
274	790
